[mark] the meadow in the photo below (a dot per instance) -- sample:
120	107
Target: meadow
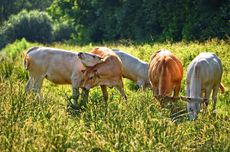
30	123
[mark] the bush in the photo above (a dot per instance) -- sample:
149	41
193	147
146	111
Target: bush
35	26
63	31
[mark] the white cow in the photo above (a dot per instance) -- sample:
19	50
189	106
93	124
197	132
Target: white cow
56	65
203	76
133	68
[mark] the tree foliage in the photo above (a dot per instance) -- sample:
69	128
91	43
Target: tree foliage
144	20
137	20
33	25
12	7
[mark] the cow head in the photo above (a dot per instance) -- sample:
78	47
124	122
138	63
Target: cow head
90	78
89	59
193	106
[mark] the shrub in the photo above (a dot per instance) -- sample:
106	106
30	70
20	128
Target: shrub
63	31
35	26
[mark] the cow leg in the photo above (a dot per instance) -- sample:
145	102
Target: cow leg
38	84
29	84
84	96
206	96
214	98
75	94
177	90
105	94
141	83
75	89
122	92
155	91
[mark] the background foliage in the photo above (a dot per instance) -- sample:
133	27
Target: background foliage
144	20
33	25
136	20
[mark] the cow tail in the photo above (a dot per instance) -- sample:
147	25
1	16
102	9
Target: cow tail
27	61
27	58
221	88
163	79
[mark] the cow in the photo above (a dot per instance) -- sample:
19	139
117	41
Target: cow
203	77
133	68
106	73
56	65
165	74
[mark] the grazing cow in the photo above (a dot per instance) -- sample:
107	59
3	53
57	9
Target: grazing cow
107	73
56	65
203	76
133	68
165	73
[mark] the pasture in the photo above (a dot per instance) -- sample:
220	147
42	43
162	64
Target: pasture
30	123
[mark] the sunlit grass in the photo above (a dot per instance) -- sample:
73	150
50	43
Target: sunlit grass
32	123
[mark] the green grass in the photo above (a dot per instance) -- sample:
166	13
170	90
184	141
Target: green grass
30	123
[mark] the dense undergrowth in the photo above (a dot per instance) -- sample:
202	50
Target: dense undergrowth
30	123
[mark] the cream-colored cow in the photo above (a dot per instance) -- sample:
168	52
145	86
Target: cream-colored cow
203	77
56	65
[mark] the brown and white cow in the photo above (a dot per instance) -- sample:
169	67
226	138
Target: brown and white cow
133	68
107	73
165	73
56	65
203	77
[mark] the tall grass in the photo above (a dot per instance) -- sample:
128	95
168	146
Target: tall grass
32	123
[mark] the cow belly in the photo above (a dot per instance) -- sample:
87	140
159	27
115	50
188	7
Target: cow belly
58	79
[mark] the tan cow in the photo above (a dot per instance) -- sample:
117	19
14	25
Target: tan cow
56	65
107	73
165	73
133	68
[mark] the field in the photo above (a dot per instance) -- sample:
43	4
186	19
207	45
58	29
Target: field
30	123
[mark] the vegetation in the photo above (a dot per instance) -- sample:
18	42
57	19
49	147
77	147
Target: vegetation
144	20
33	25
12	7
30	123
87	21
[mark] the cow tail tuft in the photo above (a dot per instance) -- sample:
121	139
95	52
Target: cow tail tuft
221	88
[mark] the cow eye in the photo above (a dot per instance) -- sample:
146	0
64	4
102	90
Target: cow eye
90	78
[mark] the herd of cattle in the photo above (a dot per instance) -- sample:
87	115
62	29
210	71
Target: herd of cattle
105	67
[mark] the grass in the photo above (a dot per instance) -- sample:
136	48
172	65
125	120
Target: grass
30	123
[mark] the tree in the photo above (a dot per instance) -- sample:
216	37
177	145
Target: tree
10	7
